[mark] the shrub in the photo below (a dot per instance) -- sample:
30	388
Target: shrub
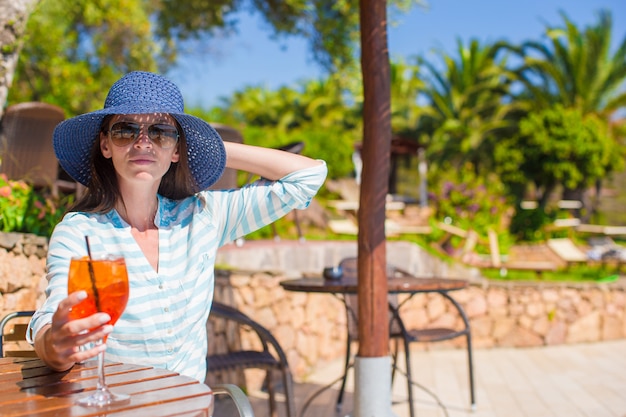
471	201
24	209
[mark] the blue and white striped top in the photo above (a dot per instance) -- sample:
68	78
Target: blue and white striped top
164	322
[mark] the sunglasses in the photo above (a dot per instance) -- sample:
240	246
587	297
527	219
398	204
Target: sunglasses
163	135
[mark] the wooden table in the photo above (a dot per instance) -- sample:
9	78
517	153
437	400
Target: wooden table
29	388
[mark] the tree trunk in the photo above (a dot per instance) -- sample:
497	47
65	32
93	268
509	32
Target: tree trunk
13	17
580	194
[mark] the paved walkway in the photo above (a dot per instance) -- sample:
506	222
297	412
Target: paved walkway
583	380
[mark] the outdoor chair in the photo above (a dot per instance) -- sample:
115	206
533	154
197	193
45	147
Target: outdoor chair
228	180
239	398
26	151
270	357
398	332
13	341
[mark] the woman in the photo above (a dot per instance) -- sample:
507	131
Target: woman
146	163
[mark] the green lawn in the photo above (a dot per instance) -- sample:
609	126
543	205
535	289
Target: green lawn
580	273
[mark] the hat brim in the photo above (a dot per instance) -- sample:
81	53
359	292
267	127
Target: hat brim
73	140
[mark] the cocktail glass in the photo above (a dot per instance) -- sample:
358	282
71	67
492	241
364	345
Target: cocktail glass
105	281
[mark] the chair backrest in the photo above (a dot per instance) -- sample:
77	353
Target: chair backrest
13	328
228	180
264	353
293	147
26	151
235	319
349	270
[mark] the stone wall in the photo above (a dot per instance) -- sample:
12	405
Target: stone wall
311	327
22	271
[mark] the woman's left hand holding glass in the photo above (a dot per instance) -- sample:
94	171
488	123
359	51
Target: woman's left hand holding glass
60	343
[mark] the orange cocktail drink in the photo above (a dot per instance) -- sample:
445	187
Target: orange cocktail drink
106	283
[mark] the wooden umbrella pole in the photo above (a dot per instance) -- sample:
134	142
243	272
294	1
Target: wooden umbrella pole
373	317
373	365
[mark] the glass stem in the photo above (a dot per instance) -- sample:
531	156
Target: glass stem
101	383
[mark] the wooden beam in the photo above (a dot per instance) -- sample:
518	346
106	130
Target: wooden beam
494	248
372	293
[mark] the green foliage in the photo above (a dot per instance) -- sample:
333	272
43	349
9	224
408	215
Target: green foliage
529	225
556	148
575	68
330	26
318	103
314	112
470	201
563	147
8	49
75	49
406	85
578	273
478	135
24	210
333	146
466	109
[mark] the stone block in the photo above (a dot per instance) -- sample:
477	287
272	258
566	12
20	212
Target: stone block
476	307
612	328
556	334
585	329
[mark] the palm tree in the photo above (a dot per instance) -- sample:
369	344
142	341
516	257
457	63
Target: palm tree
466	109
319	102
325	103
406	85
576	70
258	106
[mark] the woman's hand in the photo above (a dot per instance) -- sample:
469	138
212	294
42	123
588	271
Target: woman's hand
59	344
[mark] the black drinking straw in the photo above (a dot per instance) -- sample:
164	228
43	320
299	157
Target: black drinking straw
92	275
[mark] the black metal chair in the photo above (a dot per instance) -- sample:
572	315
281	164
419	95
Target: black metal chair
269	358
239	398
398	332
13	331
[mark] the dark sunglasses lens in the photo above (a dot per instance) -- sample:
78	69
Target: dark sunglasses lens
123	133
165	136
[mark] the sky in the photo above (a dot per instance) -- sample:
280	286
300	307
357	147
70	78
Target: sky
220	67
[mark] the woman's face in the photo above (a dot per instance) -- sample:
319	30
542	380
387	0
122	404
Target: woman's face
141	146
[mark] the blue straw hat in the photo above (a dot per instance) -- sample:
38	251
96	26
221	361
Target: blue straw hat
141	93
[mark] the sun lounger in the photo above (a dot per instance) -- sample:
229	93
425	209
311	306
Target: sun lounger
571	254
567	251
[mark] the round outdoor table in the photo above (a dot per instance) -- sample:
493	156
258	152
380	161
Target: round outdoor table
395	285
400	283
29	388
